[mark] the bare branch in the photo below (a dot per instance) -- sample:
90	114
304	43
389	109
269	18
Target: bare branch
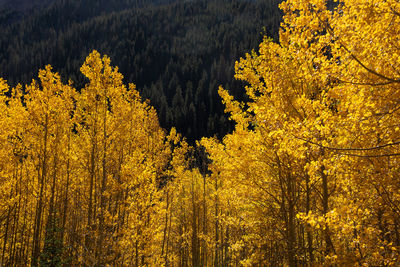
349	149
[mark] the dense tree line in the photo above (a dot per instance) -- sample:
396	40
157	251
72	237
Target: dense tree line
308	177
177	53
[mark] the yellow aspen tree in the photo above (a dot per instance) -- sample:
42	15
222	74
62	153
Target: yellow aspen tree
11	149
355	48
185	238
319	134
16	246
62	99
262	154
83	175
145	158
96	123
124	156
36	124
49	105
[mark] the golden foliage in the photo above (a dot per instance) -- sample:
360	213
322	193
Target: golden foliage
308	177
319	138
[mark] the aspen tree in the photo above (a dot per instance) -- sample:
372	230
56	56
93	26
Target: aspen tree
48	106
321	128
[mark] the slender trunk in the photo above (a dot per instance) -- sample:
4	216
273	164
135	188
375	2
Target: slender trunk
195	247
204	251
39	207
291	234
92	177
309	232
26	239
64	219
288	193
21	209
222	238
7	224
180	244
325	197
226	247
18	190
50	234
216	259
136	254
14	238
99	250
165	227
88	240
167	246
396	229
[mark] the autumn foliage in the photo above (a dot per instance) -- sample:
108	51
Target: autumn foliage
310	176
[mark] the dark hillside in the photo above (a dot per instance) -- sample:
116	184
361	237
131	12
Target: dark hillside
24	5
177	53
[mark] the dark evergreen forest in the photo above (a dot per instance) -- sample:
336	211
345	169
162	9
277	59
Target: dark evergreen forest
176	52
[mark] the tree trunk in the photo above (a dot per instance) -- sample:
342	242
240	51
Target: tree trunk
309	232
325	197
39	207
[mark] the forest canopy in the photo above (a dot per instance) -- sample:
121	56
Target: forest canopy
309	176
